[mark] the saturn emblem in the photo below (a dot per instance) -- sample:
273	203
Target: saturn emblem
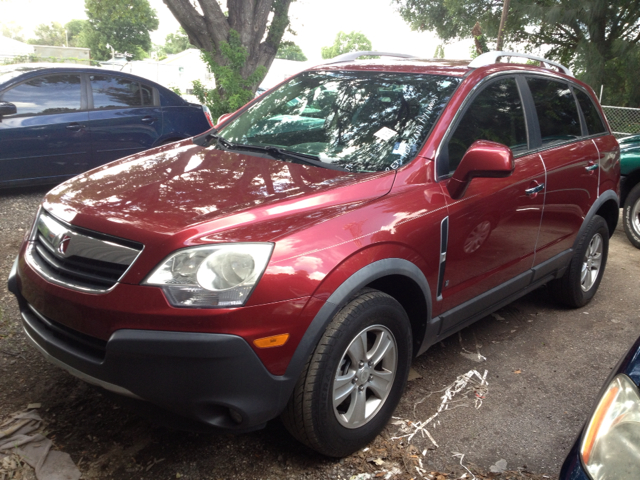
61	243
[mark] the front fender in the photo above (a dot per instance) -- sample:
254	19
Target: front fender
346	286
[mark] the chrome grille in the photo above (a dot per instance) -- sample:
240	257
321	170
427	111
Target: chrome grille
78	258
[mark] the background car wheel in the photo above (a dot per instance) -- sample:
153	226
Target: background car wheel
354	379
580	282
631	216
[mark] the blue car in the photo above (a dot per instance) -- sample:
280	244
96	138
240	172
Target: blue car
57	121
608	448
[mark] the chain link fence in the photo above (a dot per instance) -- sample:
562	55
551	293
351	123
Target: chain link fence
624	121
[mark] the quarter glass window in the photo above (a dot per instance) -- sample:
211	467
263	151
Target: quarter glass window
495	114
590	112
557	110
115	92
147	94
46	95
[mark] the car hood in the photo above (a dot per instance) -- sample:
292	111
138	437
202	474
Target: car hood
194	191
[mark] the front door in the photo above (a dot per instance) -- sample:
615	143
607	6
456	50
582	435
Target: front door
492	229
47	137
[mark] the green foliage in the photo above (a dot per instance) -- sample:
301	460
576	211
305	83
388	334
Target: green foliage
176	42
75	32
439	53
123	24
288	50
176	90
599	39
49	34
232	90
345	43
33	58
12	30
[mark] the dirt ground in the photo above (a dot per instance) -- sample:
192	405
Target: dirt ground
542	366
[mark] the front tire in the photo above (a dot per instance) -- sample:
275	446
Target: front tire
580	282
631	216
354	379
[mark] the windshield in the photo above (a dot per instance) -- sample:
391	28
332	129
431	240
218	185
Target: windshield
360	121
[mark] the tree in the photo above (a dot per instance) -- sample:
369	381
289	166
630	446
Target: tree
439	53
290	51
596	38
49	34
345	43
12	30
239	44
75	32
176	42
123	24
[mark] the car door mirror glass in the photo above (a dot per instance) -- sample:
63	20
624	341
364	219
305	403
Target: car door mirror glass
482	159
7	108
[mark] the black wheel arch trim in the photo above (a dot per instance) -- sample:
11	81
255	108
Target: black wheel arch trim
343	294
600	201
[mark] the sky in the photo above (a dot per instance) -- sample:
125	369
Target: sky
316	22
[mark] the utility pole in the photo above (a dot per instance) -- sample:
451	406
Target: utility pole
503	20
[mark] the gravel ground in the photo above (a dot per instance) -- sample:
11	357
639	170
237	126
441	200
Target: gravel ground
544	365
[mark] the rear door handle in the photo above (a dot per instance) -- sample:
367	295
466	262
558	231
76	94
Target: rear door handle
591	167
534	190
75	126
148	119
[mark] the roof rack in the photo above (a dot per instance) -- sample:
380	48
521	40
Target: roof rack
490	58
351	56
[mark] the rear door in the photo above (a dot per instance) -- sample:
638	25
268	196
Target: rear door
47	137
124	118
572	163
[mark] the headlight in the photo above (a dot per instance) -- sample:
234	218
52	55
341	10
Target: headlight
611	445
211	276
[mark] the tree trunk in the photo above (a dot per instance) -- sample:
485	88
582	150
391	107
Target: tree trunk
208	28
503	21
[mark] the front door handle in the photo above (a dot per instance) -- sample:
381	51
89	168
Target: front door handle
75	126
534	190
148	120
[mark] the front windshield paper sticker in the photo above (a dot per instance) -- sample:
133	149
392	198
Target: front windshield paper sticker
401	148
385	134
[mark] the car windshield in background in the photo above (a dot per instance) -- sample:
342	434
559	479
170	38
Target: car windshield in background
360	121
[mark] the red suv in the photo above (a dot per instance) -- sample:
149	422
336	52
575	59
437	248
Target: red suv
295	259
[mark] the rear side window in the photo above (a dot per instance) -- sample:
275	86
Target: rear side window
556	109
495	114
115	92
46	95
590	112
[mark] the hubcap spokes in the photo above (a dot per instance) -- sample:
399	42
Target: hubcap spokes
635	217
591	263
365	376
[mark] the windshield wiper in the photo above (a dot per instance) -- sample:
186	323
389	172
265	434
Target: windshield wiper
210	137
284	154
213	137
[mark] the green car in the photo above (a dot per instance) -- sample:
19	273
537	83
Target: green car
630	186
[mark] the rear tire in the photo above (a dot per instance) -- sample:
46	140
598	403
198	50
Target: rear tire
354	379
631	216
580	282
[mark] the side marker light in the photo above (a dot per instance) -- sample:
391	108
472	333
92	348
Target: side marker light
274	341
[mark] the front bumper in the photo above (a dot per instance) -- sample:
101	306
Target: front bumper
214	378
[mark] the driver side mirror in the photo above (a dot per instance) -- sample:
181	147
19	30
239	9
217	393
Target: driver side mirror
482	159
7	108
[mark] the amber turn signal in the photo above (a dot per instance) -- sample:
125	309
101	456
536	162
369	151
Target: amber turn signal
274	341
